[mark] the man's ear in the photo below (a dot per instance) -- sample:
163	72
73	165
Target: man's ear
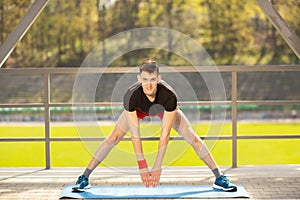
139	78
159	78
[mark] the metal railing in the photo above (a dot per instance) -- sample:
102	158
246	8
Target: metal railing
234	102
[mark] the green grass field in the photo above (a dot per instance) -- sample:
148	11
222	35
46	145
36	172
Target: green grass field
77	154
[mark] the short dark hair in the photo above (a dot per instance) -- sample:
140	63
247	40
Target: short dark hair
149	66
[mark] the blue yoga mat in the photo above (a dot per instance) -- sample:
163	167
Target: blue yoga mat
163	191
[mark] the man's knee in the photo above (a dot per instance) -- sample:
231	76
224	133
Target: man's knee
197	142
115	136
113	139
200	147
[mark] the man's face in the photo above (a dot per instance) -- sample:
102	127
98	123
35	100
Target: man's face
149	82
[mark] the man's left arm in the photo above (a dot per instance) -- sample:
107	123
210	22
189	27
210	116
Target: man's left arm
167	123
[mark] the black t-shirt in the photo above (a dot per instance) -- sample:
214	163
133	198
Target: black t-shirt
165	99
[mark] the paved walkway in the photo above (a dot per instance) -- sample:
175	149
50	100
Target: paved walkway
261	182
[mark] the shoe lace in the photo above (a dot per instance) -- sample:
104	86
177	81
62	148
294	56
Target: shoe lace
225	179
80	179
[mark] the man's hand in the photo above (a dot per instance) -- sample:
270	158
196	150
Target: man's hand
145	176
155	176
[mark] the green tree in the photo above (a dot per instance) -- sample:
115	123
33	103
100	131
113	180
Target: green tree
232	31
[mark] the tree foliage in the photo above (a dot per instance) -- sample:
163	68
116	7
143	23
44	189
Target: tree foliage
232	31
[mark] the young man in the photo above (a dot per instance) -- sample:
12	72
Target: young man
151	96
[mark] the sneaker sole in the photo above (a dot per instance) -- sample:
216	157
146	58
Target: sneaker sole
233	189
81	190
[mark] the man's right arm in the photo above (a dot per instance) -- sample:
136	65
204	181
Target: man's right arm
133	124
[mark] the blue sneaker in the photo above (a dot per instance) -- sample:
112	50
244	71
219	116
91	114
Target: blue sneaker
223	183
82	184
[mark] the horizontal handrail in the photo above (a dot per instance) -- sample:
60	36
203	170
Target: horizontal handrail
180	69
269	102
93	139
181	103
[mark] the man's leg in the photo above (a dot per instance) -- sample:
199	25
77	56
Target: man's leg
113	139
183	127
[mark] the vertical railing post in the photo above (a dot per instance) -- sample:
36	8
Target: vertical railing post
234	117
47	118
